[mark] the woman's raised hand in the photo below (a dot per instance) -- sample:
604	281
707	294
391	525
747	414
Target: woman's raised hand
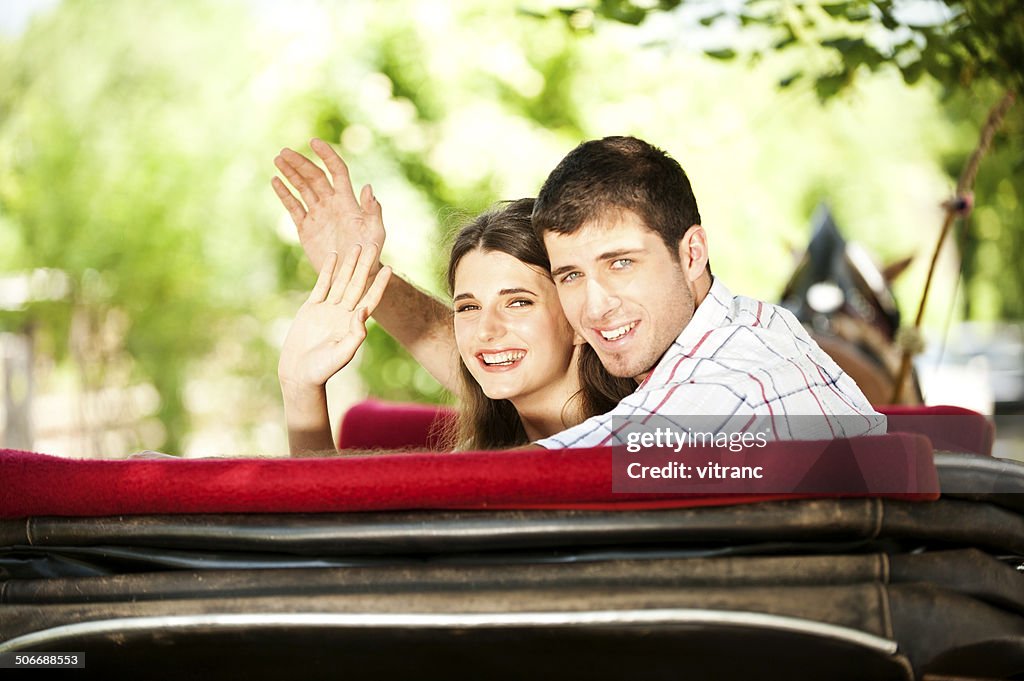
332	220
331	325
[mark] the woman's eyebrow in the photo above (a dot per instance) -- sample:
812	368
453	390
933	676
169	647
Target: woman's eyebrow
502	292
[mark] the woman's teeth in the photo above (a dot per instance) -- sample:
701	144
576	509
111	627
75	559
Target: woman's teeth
502	358
615	334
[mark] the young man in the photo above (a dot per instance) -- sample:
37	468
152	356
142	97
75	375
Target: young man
630	262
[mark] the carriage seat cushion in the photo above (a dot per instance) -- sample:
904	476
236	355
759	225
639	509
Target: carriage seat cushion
33	484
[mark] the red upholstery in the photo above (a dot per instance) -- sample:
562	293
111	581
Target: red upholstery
949	428
373	424
37	484
901	465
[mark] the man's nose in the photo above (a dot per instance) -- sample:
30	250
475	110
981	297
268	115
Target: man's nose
491	325
600	301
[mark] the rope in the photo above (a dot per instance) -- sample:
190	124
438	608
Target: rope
960	205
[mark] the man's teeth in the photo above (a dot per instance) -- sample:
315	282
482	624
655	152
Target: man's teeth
502	358
615	334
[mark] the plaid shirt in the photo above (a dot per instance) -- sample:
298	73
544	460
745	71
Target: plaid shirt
740	360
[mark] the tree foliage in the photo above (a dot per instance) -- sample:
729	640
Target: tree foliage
99	183
956	42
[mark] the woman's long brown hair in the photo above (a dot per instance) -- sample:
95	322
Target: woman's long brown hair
484	423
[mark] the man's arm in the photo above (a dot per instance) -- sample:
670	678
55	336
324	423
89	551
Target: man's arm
423	326
329	218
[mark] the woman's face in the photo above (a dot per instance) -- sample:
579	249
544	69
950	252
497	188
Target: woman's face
510	329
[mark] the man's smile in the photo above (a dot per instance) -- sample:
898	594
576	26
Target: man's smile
617	333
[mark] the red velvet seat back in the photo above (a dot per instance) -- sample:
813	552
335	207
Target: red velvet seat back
373	424
949	428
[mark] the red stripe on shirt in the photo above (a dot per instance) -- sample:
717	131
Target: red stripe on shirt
811	391
824	378
768	404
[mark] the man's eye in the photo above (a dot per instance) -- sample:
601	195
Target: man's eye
572	276
520	302
621	263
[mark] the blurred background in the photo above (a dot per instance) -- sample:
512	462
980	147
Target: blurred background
148	273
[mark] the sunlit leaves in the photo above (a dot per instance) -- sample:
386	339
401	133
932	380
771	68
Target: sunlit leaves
954	41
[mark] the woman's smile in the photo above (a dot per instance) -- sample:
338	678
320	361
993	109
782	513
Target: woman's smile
501	360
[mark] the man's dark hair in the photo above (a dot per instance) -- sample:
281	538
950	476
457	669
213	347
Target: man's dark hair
602	176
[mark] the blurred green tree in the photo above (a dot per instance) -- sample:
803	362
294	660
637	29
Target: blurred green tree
102	152
136	141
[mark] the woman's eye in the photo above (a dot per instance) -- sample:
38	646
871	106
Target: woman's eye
520	302
467	307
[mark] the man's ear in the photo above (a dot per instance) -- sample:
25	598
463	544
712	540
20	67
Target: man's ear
693	252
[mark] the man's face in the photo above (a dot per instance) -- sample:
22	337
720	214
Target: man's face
622	290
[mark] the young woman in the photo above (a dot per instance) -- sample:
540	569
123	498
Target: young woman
525	375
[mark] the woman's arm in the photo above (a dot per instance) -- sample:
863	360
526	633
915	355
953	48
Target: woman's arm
327	330
309	424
